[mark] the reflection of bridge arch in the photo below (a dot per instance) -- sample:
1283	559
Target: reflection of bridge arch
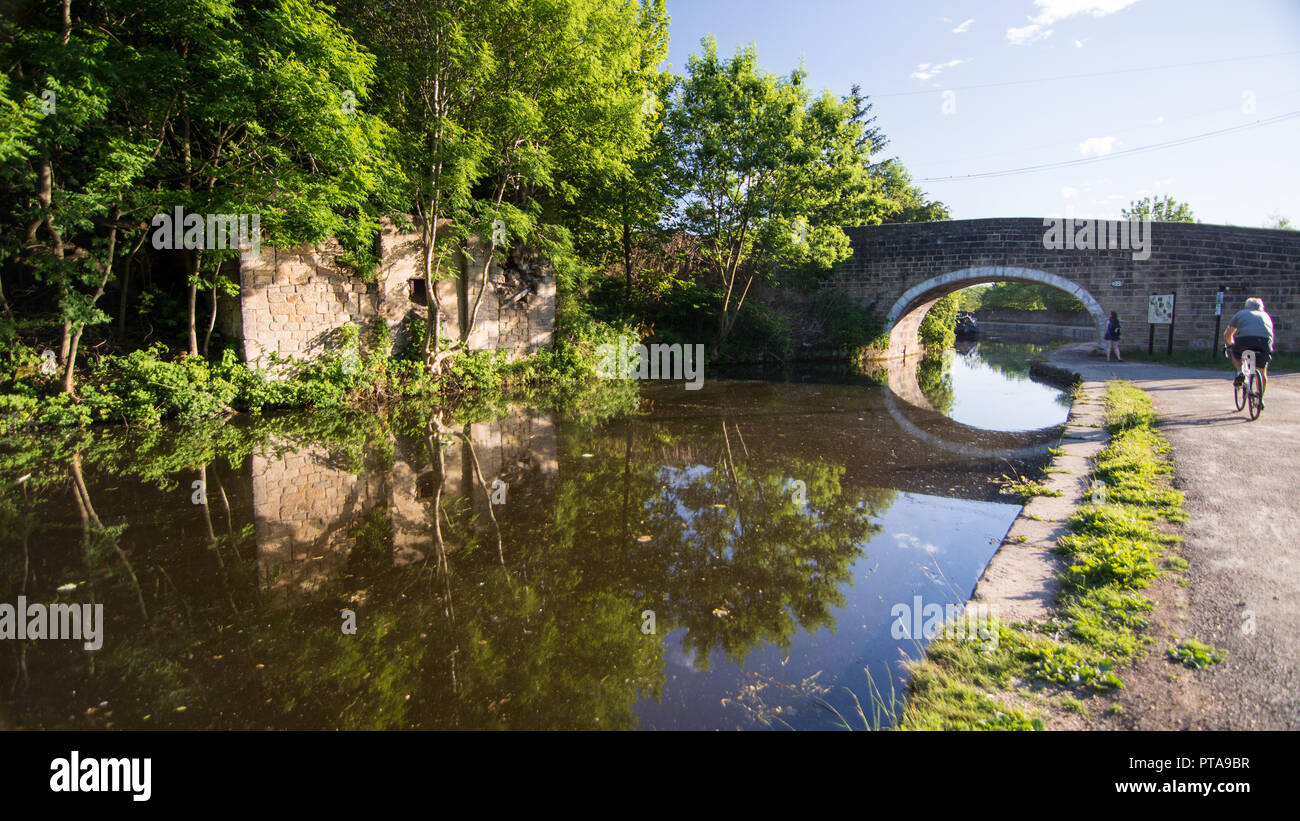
915	415
904	318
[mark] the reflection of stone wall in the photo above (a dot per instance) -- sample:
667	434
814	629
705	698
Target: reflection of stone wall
303	509
305	506
519	449
292	301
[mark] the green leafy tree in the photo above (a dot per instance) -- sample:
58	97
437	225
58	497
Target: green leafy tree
972	298
761	171
73	171
220	107
262	107
617	220
1159	209
903	200
934	378
502	111
1028	296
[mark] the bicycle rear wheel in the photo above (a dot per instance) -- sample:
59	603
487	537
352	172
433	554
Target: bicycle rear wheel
1255	394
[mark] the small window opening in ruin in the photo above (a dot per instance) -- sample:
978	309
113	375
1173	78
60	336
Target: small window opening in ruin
417	293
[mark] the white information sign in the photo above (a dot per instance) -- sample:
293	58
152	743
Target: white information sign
1160	311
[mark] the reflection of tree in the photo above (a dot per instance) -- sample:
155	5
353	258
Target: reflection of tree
1007	358
935	380
689	520
715	541
743	562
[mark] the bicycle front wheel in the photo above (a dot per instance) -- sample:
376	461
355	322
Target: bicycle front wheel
1239	393
1255	395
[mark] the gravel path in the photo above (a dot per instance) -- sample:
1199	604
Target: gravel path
1242	486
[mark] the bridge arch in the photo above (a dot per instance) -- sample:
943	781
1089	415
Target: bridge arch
904	318
912	411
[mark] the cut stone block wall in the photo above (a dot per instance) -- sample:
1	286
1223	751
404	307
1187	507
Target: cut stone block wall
292	302
904	268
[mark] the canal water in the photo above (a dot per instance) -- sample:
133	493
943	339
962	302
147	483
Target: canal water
744	556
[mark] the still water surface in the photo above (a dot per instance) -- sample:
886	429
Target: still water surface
726	558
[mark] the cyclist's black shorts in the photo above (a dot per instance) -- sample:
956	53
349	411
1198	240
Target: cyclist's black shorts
1258	344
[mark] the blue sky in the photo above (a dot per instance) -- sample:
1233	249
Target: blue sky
896	49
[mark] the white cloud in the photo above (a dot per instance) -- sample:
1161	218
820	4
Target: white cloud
1068	191
909	542
925	71
1078	44
1052	11
1098	146
964	26
1027	34
1158	120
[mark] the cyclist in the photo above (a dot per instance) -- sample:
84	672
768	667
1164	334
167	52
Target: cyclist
1251	329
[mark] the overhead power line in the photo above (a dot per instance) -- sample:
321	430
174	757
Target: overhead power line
1083	76
1117	154
1162	123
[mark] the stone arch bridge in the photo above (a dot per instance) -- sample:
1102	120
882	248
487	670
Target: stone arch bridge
905	268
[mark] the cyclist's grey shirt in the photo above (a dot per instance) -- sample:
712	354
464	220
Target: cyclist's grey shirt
1253	323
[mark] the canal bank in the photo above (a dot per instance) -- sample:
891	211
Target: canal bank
1240	480
1070	583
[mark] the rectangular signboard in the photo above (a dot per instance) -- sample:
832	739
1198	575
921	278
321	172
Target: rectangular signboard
1160	310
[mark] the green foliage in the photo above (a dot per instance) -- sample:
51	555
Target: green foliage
764	175
1128	406
487	128
1025	489
845	325
971	299
143	387
1159	209
938	329
221	109
1021	296
934	378
902	200
1196	655
760	334
1103	560
1069	664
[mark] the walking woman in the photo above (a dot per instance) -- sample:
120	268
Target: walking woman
1112	337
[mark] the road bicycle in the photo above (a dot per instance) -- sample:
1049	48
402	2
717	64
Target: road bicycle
1249	393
